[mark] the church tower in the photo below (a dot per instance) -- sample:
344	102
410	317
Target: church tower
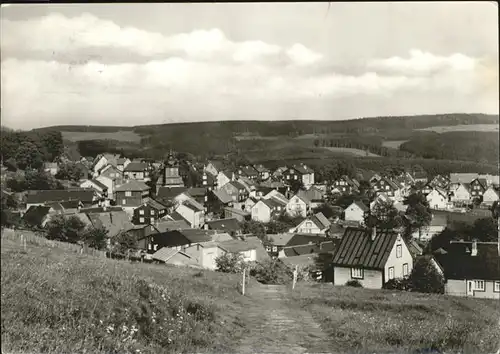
171	176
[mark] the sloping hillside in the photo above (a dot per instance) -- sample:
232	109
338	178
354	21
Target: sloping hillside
58	302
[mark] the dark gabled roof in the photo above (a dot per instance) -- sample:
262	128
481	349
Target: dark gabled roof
318	247
132	186
248	170
196	192
175	216
35	215
43	196
457	262
67	204
304	239
226	225
100	209
114	221
237	185
414	248
197	235
219	165
302	169
356	248
183	237
320	220
164	225
235	246
99	184
136	167
156	204
193	205
169	193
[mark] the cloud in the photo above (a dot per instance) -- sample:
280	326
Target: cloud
128	75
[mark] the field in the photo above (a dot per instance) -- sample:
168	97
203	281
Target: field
121	135
463	128
393	144
59	302
372	321
353	152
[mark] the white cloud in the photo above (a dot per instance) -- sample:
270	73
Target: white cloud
205	75
423	62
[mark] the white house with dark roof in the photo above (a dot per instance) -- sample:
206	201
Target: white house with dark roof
193	212
266	209
316	224
100	188
438	199
355	212
371	257
461	194
298	205
491	195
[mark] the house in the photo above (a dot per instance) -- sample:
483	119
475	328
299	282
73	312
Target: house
267	209
276	243
149	212
36	216
246	249
115	222
490	179
276	195
264	172
388	187
344	185
477	187
314	195
436	226
240	215
237	191
371	257
250	185
461	194
301	173
471	269
65	207
168	195
85	172
355	212
100	188
168	225
122	163
88	197
230	226
214	167
491	195
139	171
316	224
170	176
438	198
217	200
301	244
175	256
224	177
111	172
458	178
132	194
249	172
278	174
197	193
440	181
51	167
420	176
249	203
298	205
209	180
193	212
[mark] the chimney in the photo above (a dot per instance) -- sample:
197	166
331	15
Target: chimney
374	233
474	248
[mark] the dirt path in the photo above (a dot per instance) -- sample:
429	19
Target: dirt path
278	328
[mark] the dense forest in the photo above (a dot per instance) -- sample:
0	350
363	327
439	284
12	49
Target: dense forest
30	149
474	146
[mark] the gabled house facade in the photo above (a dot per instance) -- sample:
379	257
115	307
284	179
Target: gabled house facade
267	209
316	224
461	195
139	171
100	188
491	195
264	172
122	163
301	173
298	205
371	257
132	194
355	212
248	172
192	212
149	213
477	187
387	186
438	199
237	191
345	185
224	177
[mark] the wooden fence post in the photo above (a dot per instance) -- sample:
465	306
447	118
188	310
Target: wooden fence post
244	280
295	271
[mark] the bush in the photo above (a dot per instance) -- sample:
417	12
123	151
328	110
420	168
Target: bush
272	272
403	284
354	284
230	263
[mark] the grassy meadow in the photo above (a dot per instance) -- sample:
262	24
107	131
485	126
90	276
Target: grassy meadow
120	135
381	321
463	128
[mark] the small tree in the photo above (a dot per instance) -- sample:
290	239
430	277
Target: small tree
272	271
123	243
418	213
425	278
230	263
354	284
254	227
96	237
383	215
61	228
69	171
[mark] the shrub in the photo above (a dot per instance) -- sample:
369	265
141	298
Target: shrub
354	284
403	284
272	272
230	263
425	278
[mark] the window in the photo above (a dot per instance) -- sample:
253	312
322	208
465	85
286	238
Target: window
141	220
295	177
141	212
386	188
156	247
308	224
496	287
124	202
405	269
479	285
128	194
275	249
152	228
149	247
357	273
152	213
391	273
399	251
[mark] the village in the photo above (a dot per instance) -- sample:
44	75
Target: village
371	229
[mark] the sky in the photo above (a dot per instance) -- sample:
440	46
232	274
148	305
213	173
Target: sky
137	64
